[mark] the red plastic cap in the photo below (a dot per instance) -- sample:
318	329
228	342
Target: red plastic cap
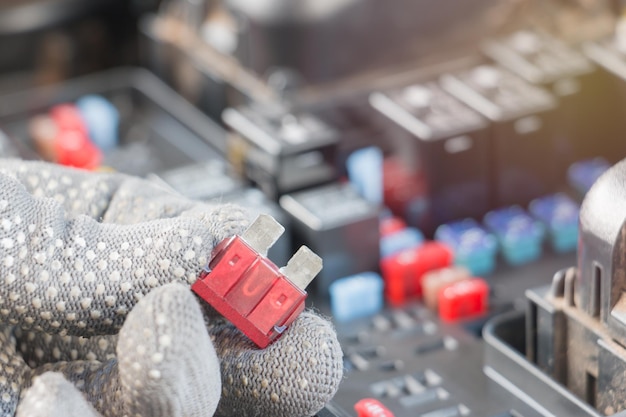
463	300
249	290
369	407
391	225
404	271
401	185
68	117
73	148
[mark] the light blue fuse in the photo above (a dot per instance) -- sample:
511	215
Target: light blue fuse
559	214
102	119
356	296
519	235
365	169
583	174
407	238
474	247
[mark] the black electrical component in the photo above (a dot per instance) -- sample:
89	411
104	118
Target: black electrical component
523	145
339	225
279	150
575	328
588	124
610	56
444	142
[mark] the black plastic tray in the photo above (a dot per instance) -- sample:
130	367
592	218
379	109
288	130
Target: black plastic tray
158	130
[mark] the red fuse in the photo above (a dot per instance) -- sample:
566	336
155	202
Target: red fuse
72	148
403	272
464	299
249	290
400	185
369	407
68	117
391	225
71	145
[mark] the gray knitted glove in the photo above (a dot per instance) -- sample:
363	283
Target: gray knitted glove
95	272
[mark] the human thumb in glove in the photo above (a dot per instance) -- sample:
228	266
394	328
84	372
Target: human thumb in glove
79	251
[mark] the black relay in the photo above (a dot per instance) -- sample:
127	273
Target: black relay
339	225
610	55
523	143
588	123
281	151
446	143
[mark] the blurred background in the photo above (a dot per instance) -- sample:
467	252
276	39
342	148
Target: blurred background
416	145
310	46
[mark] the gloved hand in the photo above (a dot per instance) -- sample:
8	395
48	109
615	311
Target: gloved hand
95	272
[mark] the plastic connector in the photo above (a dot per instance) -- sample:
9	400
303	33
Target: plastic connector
474	248
559	215
403	272
520	236
101	119
356	296
369	407
397	242
466	299
71	145
247	288
582	175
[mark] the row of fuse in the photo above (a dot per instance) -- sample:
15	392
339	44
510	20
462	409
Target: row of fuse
76	134
412	268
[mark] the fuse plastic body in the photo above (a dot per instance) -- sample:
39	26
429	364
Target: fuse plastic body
369	407
74	149
101	119
399	241
435	281
68	117
359	295
520	236
559	214
390	225
404	271
250	291
71	145
463	300
582	175
474	248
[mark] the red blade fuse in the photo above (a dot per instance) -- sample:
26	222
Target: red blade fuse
369	407
464	300
249	290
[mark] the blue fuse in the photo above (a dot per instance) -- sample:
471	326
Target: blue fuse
407	238
519	235
102	119
474	247
365	169
559	214
356	296
583	174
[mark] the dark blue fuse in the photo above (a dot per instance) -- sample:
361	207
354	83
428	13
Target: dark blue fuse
559	214
519	235
583	174
474	247
356	296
